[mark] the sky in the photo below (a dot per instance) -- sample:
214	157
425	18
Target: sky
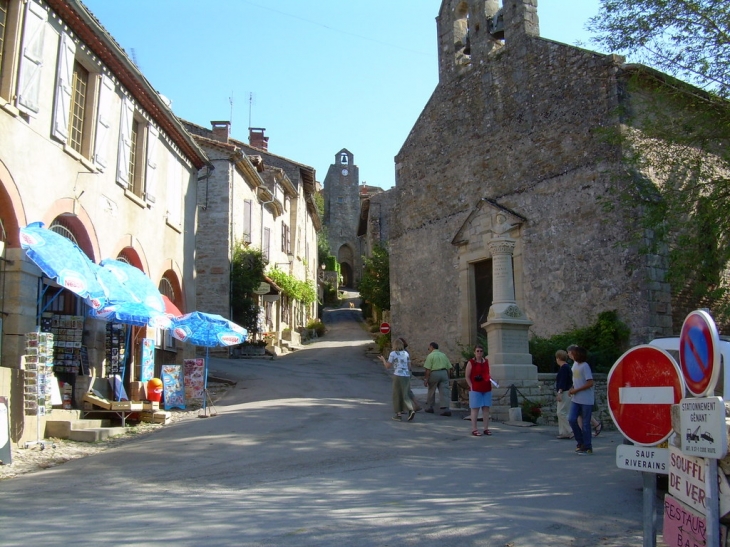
319	75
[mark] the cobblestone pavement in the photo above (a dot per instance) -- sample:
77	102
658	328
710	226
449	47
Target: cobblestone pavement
59	451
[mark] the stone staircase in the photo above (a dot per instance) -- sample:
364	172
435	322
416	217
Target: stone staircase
68	424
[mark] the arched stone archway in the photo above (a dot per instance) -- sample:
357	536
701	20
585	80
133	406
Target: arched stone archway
346	258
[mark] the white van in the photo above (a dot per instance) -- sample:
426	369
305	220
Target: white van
671	345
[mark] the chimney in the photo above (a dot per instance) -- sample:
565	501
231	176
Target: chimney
257	139
221	130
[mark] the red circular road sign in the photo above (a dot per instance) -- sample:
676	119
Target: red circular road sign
699	358
384	328
642	387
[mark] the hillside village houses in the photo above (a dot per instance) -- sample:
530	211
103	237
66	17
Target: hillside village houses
255	198
89	148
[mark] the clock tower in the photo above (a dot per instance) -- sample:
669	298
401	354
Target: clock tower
342	215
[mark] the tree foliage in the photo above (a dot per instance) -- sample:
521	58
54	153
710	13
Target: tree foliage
686	38
247	273
675	137
375	282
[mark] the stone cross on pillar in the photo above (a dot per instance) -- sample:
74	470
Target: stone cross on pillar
507	326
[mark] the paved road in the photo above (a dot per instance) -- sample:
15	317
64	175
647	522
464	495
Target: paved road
304	453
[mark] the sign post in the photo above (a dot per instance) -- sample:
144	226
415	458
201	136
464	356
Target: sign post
698	353
642	387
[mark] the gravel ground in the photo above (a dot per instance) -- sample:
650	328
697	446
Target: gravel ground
29	460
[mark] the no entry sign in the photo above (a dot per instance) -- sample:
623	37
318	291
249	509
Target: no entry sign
699	357
384	328
642	387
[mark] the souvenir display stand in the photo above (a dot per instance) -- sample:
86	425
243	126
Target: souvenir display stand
38	380
67	331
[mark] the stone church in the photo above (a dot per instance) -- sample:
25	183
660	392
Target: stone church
510	145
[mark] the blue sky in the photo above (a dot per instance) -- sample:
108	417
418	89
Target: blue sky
324	74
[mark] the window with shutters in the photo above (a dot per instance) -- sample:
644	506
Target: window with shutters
137	156
77	115
77	91
10	31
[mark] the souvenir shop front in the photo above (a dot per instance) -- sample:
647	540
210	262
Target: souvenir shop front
83	346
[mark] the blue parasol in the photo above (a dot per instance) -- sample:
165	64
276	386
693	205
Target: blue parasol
62	260
209	330
134	281
133	313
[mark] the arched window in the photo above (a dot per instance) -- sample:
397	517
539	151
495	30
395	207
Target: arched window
61	228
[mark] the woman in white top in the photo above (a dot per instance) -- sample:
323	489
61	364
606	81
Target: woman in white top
400	361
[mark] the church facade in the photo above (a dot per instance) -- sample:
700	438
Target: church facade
512	144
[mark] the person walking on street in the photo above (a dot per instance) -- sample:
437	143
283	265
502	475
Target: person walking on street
400	361
583	395
563	383
416	406
437	367
480	390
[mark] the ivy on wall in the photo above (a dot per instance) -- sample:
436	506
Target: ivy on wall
304	291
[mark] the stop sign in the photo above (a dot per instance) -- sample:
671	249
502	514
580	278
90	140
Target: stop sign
642	387
384	328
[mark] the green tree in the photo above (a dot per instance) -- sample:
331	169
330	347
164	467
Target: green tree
375	283
689	39
674	137
247	273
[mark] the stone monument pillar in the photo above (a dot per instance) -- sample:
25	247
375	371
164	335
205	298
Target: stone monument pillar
507	327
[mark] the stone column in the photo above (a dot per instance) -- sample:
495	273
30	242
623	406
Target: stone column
507	328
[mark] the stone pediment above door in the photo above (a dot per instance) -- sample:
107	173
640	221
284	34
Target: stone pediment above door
487	220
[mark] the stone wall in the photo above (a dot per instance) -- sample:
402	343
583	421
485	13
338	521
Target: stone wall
545	395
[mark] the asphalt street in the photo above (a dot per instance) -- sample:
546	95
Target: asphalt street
303	452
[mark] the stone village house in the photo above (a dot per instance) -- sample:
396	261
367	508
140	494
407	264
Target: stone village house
253	197
512	145
88	147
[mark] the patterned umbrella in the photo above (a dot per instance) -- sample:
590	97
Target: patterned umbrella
62	260
126	283
133	313
209	330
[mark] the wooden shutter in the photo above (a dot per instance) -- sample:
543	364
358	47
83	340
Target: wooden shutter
247	211
103	122
31	59
151	176
64	87
125	141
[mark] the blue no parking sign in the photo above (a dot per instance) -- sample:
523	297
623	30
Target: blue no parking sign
699	358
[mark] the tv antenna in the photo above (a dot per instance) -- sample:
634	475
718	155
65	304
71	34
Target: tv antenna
230	101
251	99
